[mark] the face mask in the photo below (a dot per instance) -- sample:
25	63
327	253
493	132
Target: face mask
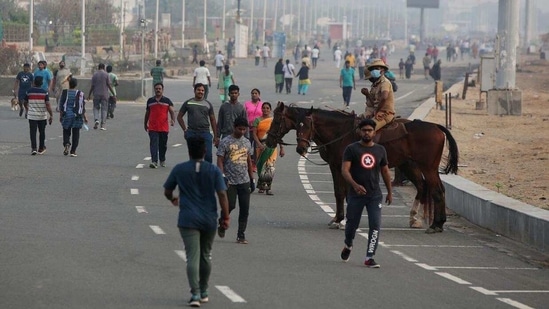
375	74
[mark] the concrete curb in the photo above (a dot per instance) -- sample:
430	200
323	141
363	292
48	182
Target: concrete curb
497	212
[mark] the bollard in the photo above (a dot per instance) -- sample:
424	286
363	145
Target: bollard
449	113
446	95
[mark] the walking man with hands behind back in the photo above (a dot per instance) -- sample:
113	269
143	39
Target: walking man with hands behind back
100	87
198	182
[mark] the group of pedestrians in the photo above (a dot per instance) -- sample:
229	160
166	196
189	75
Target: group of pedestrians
34	92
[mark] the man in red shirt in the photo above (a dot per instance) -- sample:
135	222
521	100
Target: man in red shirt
156	124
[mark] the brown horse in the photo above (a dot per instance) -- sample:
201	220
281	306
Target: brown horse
417	154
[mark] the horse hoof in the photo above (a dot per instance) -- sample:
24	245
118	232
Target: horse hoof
439	229
430	231
333	225
416	224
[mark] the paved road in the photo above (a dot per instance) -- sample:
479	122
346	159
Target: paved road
96	232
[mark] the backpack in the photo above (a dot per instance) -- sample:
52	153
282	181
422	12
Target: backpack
77	105
391	77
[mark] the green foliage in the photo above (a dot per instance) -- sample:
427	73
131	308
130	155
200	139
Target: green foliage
9	57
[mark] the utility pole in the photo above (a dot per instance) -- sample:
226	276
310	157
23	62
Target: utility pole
183	24
156	31
31	24
506	99
83	38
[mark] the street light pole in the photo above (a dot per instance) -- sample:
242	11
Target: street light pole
156	32
264	18
83	39
143	25
183	24
206	49
31	25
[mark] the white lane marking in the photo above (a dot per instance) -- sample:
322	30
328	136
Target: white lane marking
314	197
453	278
322	181
303	177
327	208
310	191
140	165
141	210
135	177
483	290
409	93
404	256
181	254
485	267
308	186
177	145
425	266
134	191
146	158
230	294
157	230
513	303
435	246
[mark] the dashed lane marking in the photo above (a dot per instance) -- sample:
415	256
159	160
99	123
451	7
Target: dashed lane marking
141	209
514	303
157	230
134	191
140	165
135	177
230	294
182	254
453	278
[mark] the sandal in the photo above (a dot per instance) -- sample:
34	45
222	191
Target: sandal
261	191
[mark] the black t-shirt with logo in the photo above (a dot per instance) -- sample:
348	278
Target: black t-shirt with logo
366	163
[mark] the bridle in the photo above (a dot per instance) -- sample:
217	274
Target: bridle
309	140
278	136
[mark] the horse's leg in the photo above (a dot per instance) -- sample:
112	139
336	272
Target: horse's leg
438	200
413	173
340	190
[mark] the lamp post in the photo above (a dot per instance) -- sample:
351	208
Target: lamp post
156	32
31	25
183	24
83	39
143	25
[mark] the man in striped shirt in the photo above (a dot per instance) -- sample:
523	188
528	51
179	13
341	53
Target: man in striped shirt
37	107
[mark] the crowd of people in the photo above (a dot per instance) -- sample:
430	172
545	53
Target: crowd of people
242	161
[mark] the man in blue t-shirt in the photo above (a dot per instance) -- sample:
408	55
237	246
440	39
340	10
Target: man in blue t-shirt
347	82
23	82
43	71
198	182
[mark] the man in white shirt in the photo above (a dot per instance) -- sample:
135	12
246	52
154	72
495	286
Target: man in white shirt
337	57
219	62
315	53
289	72
202	76
266	53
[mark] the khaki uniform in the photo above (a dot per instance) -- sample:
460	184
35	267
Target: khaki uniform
387	114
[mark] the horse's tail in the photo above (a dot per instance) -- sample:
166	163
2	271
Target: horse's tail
453	155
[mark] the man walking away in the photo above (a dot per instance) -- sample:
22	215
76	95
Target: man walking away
156	124
363	161
198	182
201	75
112	97
37	107
289	72
100	87
158	73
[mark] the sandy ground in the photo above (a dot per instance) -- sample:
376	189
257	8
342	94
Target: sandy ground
506	154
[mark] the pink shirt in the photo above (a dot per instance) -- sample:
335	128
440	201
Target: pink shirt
253	111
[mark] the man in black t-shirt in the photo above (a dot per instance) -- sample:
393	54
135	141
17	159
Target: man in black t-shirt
363	161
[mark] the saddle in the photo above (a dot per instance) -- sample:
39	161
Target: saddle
394	130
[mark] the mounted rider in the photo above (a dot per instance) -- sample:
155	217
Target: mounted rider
380	102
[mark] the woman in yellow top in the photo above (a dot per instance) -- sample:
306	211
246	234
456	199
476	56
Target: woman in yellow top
266	157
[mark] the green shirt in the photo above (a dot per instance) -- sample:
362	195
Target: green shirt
114	83
157	74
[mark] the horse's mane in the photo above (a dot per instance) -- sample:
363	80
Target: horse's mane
336	115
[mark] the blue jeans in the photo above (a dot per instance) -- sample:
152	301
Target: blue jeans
355	206
347	90
208	138
158	145
198	247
